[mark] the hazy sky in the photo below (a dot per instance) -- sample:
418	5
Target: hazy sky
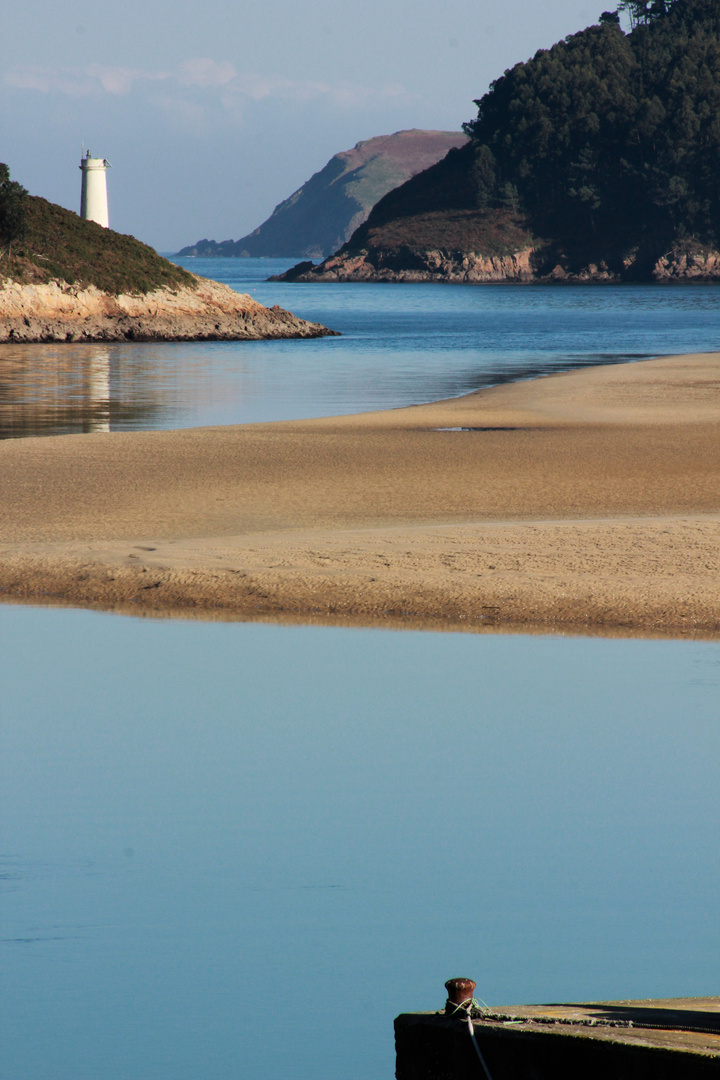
213	112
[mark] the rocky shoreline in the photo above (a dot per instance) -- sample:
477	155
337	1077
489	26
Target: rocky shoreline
528	266
210	311
438	265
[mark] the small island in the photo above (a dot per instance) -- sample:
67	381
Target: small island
63	278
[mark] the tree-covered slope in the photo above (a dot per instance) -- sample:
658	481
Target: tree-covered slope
611	133
604	149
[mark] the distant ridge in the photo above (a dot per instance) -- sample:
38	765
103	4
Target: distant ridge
322	215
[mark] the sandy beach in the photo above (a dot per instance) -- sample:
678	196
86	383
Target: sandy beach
584	502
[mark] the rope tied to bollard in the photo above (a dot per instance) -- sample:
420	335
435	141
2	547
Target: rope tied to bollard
456	1003
452	1007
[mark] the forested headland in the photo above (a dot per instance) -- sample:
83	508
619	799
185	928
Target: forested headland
597	159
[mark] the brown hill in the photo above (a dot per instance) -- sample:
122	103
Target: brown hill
322	215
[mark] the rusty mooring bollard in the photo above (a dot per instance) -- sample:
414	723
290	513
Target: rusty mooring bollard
459	991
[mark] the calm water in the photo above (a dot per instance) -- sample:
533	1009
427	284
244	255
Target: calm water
237	851
401	344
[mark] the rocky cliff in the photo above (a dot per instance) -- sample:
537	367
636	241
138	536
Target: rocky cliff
411	266
684	263
321	215
56	311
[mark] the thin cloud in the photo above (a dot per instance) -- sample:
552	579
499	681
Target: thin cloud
79	82
202	71
232	89
121	80
47	80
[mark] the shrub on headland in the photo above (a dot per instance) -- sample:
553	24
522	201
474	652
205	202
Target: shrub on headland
13	209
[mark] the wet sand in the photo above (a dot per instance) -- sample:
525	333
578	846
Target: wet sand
588	500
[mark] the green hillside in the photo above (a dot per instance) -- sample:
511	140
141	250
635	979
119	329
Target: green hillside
55	244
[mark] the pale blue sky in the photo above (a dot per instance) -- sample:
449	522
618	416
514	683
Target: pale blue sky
211	113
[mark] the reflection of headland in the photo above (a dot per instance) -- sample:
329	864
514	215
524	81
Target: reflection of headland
61	390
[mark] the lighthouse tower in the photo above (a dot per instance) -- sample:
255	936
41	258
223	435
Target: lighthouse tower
93	198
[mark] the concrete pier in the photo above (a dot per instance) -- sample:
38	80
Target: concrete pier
625	1040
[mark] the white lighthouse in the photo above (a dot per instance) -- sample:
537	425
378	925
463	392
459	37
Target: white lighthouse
93	197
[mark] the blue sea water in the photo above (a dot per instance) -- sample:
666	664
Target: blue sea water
400	344
238	850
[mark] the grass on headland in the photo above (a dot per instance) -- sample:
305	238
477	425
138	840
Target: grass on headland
59	245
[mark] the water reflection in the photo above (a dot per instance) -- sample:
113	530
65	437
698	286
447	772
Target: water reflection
70	389
99	391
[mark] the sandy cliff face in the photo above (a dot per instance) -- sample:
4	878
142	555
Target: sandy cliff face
60	312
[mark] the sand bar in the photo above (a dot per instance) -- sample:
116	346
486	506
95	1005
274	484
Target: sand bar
582	501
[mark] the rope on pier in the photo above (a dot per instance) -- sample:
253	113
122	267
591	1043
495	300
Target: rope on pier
466	1007
482	1011
471	1029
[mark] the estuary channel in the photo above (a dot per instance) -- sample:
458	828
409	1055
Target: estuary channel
238	850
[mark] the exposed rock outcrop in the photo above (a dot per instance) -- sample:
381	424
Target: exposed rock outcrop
698	265
528	265
57	311
409	266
